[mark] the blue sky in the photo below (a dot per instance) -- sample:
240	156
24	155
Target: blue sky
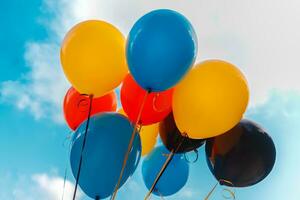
263	42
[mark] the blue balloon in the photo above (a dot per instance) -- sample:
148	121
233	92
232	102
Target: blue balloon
106	145
174	177
161	48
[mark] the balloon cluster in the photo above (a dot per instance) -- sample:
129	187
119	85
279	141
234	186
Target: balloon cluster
162	92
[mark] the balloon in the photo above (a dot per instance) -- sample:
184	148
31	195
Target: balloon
121	111
106	145
157	106
161	48
93	57
174	177
210	100
243	156
173	139
76	106
148	136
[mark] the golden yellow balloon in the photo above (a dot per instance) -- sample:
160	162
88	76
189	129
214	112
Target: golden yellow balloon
93	57
148	136
210	100
122	112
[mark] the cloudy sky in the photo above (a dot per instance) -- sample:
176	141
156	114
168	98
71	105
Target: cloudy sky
262	37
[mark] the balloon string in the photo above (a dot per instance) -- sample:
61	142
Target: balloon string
68	137
66	166
140	128
162	170
83	146
211	191
97	198
130	144
194	161
64	186
165	165
232	193
154	102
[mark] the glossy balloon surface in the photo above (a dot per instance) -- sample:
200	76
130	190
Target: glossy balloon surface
156	107
243	156
210	100
106	145
93	57
161	48
174	177
173	139
76	106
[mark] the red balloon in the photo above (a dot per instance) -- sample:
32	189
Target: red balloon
76	106
157	105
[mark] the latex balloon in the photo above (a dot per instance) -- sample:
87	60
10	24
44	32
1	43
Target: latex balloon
157	106
76	106
243	156
148	136
121	111
174	177
173	139
93	57
106	145
161	48
210	100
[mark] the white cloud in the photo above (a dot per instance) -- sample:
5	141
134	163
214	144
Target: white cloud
52	187
258	36
38	187
41	90
261	37
188	193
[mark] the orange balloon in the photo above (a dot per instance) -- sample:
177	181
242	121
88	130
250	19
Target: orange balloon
157	105
76	106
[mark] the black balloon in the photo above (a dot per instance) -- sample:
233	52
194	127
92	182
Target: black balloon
241	157
173	139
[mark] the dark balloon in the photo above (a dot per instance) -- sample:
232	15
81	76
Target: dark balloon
241	157
172	137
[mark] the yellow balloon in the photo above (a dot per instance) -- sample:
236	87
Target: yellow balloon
210	100
148	136
93	57
122	112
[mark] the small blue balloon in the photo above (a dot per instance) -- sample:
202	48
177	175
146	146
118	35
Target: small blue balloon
174	177
161	48
106	145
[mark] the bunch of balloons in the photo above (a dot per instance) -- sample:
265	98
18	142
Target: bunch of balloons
163	92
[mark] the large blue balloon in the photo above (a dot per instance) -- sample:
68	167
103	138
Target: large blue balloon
106	145
161	48
174	177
